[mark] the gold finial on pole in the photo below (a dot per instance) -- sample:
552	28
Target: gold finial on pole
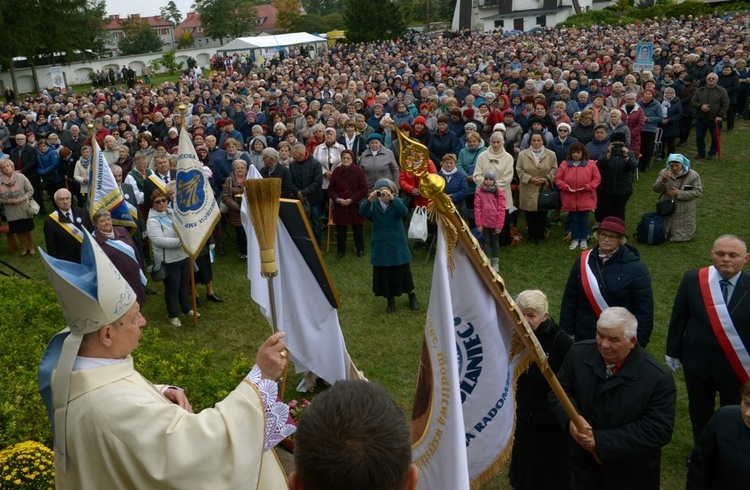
182	108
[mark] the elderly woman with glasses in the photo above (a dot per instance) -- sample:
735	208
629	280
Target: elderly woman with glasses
168	252
609	274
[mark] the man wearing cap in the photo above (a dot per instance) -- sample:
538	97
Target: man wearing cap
609	274
64	228
114	429
708	331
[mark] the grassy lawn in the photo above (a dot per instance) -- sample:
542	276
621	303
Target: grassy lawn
387	347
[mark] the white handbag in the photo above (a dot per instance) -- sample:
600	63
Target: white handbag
418	225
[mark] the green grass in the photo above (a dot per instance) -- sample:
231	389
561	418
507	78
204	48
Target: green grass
387	347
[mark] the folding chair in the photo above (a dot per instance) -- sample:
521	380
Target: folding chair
5	230
657	147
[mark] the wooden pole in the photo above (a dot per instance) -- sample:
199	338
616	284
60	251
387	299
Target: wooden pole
431	186
193	293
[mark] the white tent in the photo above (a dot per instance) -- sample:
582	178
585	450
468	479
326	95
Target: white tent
264	43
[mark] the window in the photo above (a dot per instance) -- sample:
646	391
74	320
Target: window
541	21
499	24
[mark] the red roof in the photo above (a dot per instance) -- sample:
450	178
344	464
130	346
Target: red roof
115	22
192	21
269	12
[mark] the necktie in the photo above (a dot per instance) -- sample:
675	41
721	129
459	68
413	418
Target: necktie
724	283
610	368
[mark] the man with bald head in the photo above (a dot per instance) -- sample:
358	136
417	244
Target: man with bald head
711	103
63	229
709	331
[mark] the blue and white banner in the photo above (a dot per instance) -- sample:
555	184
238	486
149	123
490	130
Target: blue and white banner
195	209
105	193
470	340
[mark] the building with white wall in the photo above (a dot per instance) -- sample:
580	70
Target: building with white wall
518	15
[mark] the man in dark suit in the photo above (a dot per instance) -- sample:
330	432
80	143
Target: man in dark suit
157	180
627	402
23	157
710	331
63	229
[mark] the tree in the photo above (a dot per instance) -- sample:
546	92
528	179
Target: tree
167	61
139	37
171	13
226	18
288	14
186	40
311	23
321	7
370	20
69	28
334	20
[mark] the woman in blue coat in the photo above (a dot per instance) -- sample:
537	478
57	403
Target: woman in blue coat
456	186
389	256
48	167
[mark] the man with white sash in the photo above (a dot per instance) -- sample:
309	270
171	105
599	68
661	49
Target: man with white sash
113	429
63	229
710	331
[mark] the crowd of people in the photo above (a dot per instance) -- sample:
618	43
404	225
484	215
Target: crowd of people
507	120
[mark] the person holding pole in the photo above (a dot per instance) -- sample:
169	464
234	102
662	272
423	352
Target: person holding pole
626	399
167	249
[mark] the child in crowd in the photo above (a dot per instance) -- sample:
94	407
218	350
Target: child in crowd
489	212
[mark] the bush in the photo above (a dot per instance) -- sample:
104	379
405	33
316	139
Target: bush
28	465
31	316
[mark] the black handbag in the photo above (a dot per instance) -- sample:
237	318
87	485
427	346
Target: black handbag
158	275
548	200
665	207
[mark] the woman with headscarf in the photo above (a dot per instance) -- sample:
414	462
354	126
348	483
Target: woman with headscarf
389	251
680	183
672	108
501	162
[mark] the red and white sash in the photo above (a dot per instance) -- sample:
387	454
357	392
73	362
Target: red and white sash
722	325
591	286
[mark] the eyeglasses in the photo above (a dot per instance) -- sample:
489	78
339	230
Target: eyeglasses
562	130
159	201
607	236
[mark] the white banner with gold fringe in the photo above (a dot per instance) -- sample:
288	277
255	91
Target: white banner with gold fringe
470	339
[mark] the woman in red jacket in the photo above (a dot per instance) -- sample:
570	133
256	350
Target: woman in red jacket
347	188
577	178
